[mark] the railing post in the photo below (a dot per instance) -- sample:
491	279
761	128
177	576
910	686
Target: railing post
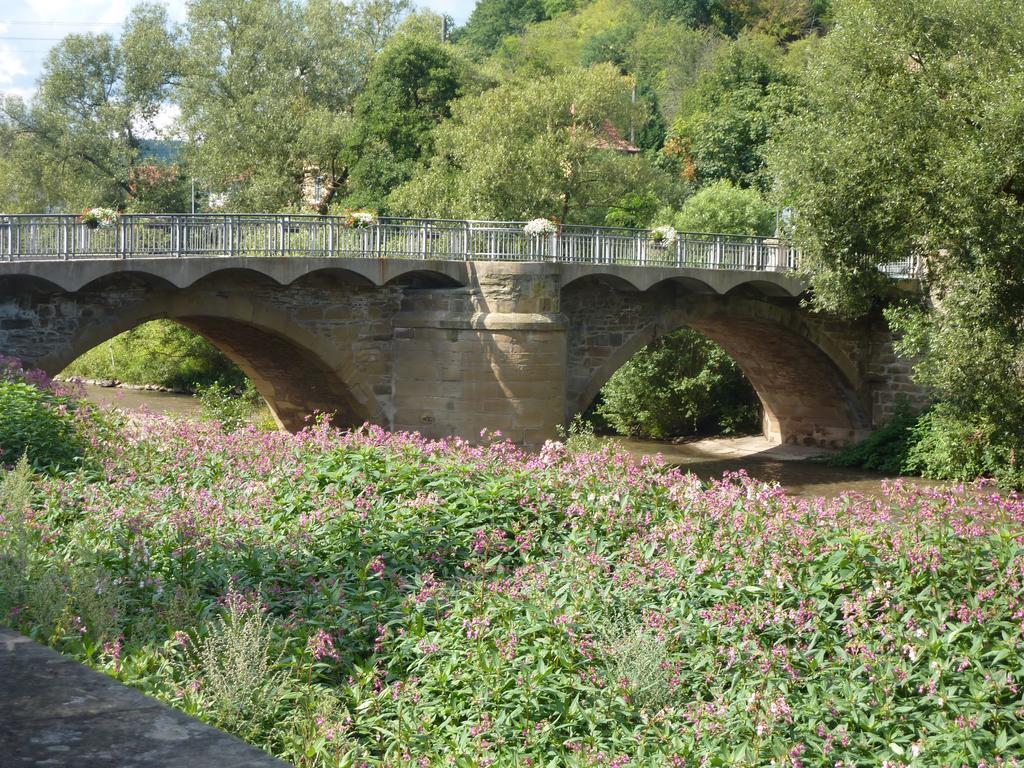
283	232
329	241
9	249
467	241
718	252
423	241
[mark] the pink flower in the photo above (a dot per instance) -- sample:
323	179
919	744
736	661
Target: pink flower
321	645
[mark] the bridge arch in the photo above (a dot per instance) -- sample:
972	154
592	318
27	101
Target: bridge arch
296	370
808	386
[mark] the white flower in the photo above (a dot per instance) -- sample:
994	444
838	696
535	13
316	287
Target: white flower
663	236
539	227
360	219
216	200
102	217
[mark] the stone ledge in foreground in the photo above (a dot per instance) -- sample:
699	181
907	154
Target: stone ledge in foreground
56	712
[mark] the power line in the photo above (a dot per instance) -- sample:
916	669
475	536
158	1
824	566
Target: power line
64	23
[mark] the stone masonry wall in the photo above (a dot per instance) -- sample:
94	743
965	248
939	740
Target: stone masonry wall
821	381
513	350
492	357
320	346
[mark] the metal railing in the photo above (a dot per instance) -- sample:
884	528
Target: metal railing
31	237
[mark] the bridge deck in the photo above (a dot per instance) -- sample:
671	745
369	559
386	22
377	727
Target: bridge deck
31	237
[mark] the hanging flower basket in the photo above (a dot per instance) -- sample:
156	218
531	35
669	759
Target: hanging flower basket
663	237
95	218
359	219
540	228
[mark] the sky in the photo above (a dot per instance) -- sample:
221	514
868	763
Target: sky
29	28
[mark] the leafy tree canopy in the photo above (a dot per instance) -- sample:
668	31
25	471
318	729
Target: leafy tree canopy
548	155
723	131
783	19
492	20
911	143
79	141
725	208
268	87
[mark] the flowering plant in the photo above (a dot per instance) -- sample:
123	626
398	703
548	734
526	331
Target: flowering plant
721	615
216	200
98	217
359	219
663	236
540	227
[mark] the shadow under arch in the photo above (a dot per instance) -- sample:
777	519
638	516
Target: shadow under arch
296	372
808	395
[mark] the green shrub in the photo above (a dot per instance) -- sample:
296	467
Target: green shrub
682	384
725	208
940	445
947	447
39	424
233	667
885	450
579	435
232	407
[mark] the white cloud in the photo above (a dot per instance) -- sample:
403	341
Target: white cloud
12	68
165	124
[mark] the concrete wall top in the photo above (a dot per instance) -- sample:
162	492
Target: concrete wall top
71	276
74	275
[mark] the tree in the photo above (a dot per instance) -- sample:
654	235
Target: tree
911	144
682	384
547	155
783	19
268	89
408	92
81	138
725	208
491	20
723	132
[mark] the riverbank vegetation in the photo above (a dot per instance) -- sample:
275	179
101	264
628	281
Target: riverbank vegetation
162	353
372	599
681	385
867	130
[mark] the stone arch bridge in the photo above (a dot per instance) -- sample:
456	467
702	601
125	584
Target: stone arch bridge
512	335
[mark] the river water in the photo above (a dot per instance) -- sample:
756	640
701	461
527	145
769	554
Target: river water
787	465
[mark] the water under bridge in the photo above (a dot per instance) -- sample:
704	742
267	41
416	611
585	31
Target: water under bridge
441	326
